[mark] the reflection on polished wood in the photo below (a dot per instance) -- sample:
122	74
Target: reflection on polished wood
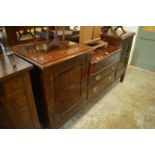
55	55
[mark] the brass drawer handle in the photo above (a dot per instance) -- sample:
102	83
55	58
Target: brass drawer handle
112	68
98	78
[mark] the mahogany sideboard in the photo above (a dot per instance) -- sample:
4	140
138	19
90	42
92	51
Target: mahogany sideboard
65	79
17	106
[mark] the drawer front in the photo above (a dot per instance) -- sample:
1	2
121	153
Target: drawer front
96	67
98	77
93	91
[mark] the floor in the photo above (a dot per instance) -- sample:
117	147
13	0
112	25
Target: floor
130	104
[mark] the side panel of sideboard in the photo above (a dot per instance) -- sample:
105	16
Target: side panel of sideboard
126	45
17	107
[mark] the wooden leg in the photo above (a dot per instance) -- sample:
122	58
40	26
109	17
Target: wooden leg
122	78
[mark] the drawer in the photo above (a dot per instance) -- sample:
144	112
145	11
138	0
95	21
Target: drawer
93	91
101	65
93	79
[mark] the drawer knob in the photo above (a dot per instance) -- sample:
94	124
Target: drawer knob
98	77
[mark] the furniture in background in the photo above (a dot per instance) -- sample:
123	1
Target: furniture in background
24	34
89	33
15	34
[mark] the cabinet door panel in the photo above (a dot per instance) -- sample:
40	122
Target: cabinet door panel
67	89
68	86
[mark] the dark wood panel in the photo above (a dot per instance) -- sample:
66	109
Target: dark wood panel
126	44
5	122
66	90
18	103
125	40
17	107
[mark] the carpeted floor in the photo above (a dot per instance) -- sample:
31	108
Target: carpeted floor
130	104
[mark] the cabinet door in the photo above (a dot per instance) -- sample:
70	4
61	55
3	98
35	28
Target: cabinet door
69	88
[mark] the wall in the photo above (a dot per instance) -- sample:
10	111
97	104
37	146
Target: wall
144	50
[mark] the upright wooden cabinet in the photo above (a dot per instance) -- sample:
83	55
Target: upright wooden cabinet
17	107
59	82
65	89
125	42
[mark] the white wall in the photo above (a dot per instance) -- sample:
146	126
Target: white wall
132	29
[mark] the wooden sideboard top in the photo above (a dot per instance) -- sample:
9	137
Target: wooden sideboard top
103	53
7	70
44	59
